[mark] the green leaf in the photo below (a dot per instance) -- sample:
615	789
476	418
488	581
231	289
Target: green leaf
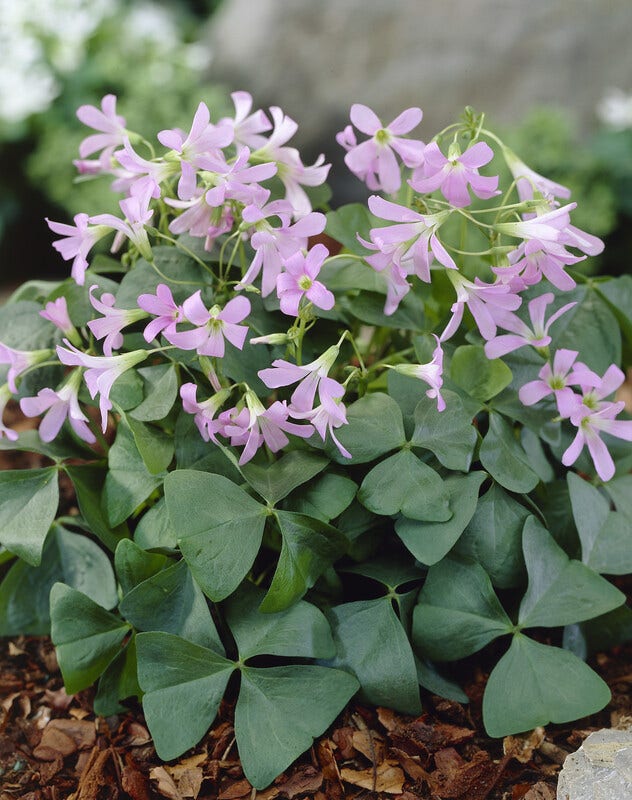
503	457
86	636
493	537
404	483
560	591
430	541
219	539
21	326
605	535
297	703
481	377
154	445
457	612
192	452
88	480
345	274
62	447
534	684
172	602
143	278
67	557
154	530
244	365
128	482
369	307
599	634
617	292
407	392
160	389
431	679
277	480
134	565
184	685
326	498
375	427
391	571
309	548
118	682
620	490
345	222
300	631
371	643
127	391
29	503
448	434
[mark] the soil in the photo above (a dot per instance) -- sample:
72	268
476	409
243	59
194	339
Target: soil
53	747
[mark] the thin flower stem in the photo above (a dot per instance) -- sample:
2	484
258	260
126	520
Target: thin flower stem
173	280
350	338
184	249
343	255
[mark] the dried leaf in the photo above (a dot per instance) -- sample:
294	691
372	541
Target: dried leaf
59	699
135	783
456	778
369	744
541	791
64	736
388	718
235	790
165	783
522	746
388	777
305	780
411	766
343	739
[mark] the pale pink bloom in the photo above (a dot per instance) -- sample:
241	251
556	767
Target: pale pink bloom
431	373
586	242
272	245
254	425
594	394
455	173
299	279
79	240
137	215
248	127
109	326
205	411
200	220
557	380
528	182
590	426
56	311
521	334
330	414
484	300
110	125
374	160
237	181
164	308
203	139
57	406
284	373
546	227
96	166
5	396
101	372
20	360
212	326
413	244
290	169
535	259
138	168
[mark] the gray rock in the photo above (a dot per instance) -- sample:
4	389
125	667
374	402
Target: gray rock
600	770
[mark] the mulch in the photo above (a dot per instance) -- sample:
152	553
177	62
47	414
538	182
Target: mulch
53	747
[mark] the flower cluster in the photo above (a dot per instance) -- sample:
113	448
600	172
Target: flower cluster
237	187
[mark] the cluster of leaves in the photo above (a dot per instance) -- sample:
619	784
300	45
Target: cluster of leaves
294	582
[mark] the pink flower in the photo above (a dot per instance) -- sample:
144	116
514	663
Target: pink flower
545	227
557	380
413	244
212	326
373	161
109	326
5	396
138	168
535	259
137	215
165	310
101	372
522	334
199	219
284	373
528	182
248	127
453	174
272	245
594	393
110	125
299	279
330	414
484	300
254	425
202	140
590	426
19	361
237	181
56	407
431	373
79	240
205	411
56	311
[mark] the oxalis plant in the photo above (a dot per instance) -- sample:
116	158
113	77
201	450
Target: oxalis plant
305	472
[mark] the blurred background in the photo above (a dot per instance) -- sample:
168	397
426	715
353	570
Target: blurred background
553	76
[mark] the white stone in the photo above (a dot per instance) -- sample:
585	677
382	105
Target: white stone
600	770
